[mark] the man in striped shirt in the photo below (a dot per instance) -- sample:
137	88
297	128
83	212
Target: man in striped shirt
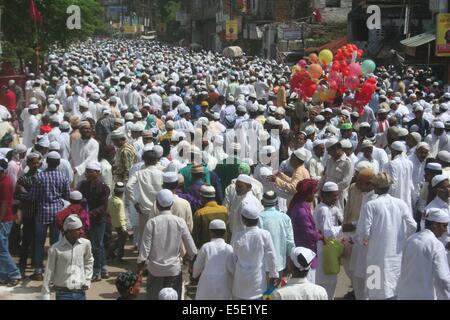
49	190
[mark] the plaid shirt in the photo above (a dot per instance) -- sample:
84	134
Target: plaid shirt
26	181
50	187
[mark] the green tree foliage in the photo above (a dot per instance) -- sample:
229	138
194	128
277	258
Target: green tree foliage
22	35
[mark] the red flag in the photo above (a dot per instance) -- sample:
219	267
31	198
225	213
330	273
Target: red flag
34	12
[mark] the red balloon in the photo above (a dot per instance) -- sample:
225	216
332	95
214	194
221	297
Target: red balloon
310	90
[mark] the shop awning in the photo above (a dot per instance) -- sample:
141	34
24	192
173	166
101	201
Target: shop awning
419	40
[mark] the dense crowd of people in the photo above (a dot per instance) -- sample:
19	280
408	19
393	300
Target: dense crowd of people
213	167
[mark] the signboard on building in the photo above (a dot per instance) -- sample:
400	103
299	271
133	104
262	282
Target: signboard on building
231	30
291	33
443	35
117	9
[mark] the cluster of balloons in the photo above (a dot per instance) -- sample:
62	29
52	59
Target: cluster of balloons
322	77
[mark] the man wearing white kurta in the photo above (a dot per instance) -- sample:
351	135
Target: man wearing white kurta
386	226
142	189
253	247
400	170
425	274
30	125
83	151
214	265
236	199
327	216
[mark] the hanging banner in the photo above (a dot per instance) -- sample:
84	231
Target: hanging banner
232	30
443	35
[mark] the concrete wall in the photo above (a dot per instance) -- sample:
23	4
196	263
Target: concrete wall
334	14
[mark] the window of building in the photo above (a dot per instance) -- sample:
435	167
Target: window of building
333	3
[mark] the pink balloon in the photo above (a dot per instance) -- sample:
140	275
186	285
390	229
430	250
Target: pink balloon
352	82
302	63
354	69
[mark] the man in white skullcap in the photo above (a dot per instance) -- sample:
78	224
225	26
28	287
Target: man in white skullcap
181	207
400	170
214	265
443	157
30	124
418	160
160	248
64	165
15	165
439	187
236	199
70	264
83	151
327	218
142	188
438	139
387	223
431	170
280	228
424	272
168	294
338	169
253	253
298	287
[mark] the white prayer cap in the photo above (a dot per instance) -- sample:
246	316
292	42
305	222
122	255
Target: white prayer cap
437	215
266	171
94	165
398	146
241	108
20	148
76	195
84	124
438	179
170	125
331	142
137	127
319	118
165	198
208	191
54	155
438	125
434	166
245	179
44	142
366	144
300	154
129	116
268	149
318	142
217	224
250	211
444	156
72	222
64	125
330	187
308	254
173	89
346	144
309	130
55	145
33	107
418	108
159	151
362	165
118	134
416	136
424	145
106	111
168	294
403	132
280	111
33	155
364	125
52	108
170	177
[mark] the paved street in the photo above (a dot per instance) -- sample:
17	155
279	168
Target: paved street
106	290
